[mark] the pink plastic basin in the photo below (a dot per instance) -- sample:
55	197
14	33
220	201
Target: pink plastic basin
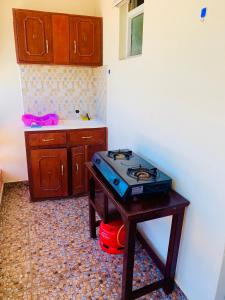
46	120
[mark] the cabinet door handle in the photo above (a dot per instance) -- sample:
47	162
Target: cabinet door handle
74	47
46	42
47	140
62	169
87	137
77	167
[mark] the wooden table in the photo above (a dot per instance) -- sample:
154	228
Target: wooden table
109	206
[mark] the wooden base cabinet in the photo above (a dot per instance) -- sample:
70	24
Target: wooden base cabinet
56	160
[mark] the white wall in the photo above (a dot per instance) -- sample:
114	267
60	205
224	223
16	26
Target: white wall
12	148
169	106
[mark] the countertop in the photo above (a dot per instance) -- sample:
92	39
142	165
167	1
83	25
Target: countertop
69	124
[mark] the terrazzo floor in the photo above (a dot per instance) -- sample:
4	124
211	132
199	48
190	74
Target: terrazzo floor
46	253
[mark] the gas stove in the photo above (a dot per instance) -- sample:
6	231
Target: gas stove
129	174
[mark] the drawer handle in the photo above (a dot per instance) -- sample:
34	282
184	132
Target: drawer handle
77	167
62	170
47	140
87	137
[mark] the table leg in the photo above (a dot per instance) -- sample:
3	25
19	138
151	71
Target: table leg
106	210
173	249
92	216
128	260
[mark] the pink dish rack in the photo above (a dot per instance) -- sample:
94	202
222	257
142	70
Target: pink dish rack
46	120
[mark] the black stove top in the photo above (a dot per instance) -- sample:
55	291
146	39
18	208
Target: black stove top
129	174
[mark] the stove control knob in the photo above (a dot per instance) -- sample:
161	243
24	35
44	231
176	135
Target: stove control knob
98	161
116	181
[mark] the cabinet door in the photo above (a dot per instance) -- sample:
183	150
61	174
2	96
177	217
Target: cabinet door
33	35
85	40
78	158
89	152
60	29
49	173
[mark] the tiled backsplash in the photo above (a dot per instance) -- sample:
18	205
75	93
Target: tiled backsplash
62	89
100	82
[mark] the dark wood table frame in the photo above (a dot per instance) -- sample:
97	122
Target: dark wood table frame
109	206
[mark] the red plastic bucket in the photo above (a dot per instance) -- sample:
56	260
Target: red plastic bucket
112	237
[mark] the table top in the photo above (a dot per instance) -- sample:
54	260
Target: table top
144	208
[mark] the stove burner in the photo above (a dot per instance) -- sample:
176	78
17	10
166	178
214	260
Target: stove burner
120	154
142	173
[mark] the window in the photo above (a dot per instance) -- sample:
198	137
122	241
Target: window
131	28
134	3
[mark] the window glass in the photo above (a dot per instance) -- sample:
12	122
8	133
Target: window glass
136	35
134	3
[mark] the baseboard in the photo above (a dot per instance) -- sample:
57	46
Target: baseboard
1	186
16	182
1	193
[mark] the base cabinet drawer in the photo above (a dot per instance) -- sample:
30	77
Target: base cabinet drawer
87	137
47	139
49	173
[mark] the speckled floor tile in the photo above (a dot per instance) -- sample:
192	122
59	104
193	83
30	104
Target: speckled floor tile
46	253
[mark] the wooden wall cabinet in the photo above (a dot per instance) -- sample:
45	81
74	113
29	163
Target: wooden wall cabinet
56	160
51	38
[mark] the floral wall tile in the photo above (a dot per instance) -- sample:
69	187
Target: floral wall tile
62	89
101	92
